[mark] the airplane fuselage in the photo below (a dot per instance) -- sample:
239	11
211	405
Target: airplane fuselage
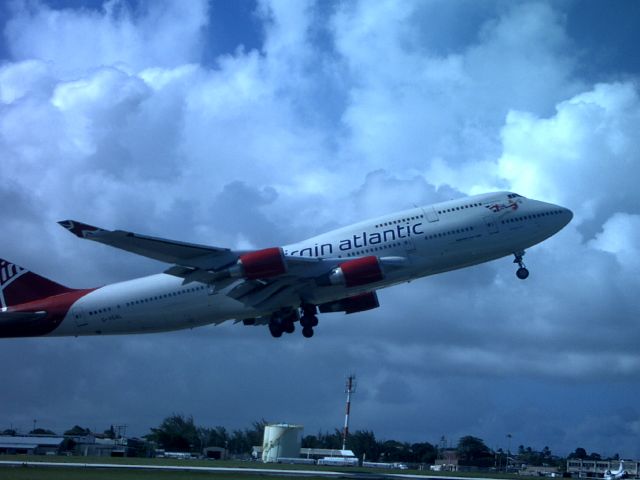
410	244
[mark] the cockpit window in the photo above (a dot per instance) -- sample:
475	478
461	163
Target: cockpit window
514	195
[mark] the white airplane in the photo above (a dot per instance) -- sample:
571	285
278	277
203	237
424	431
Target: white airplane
616	474
338	271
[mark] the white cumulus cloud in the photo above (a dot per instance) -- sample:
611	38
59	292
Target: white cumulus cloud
346	111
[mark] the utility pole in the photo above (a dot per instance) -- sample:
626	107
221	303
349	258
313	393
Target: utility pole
349	389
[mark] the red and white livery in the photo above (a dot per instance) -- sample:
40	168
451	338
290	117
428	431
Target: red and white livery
338	271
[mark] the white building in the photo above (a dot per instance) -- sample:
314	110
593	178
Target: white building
597	468
30	445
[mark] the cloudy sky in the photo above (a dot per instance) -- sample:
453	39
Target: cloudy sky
252	124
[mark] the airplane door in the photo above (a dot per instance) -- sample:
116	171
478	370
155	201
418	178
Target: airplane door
409	244
492	225
431	214
79	317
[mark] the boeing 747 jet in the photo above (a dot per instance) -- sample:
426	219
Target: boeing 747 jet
338	271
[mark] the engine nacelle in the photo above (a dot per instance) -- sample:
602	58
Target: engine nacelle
357	303
265	263
359	271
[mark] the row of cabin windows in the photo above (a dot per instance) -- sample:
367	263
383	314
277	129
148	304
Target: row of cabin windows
446	210
165	295
451	232
453	209
531	217
101	310
375	249
150	299
395	222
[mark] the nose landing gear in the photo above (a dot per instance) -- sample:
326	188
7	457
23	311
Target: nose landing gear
522	271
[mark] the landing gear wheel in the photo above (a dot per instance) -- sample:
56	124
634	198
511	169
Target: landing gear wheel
522	272
275	329
289	327
309	321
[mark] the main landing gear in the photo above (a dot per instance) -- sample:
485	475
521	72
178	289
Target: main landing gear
308	320
522	271
283	321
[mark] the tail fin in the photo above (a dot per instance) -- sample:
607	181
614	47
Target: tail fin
19	285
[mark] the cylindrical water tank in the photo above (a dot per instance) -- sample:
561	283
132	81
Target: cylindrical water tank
281	440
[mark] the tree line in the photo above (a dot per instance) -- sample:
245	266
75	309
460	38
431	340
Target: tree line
179	433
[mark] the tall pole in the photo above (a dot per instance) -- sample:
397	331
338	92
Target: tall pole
350	388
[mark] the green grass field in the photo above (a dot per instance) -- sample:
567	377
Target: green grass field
52	473
37	473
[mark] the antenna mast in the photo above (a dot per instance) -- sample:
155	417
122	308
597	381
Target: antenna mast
349	389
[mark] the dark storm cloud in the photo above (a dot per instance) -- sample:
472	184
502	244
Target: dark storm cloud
337	113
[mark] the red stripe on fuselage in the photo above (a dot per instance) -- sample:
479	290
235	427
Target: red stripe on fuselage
56	306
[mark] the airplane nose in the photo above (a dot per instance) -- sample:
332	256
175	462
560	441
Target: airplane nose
560	216
565	216
568	214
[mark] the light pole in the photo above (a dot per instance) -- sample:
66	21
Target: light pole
508	448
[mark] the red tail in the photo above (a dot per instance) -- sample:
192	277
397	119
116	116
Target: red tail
18	285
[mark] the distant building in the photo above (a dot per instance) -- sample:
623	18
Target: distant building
82	445
339	461
92	446
539	471
318	453
314	454
597	468
30	445
447	461
215	453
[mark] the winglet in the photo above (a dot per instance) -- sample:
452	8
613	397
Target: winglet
79	229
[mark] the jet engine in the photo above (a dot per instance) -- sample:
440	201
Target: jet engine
357	303
265	263
359	271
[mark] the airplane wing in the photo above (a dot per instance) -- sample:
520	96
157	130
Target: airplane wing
202	263
164	250
213	265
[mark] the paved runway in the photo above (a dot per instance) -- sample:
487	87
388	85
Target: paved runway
256	471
